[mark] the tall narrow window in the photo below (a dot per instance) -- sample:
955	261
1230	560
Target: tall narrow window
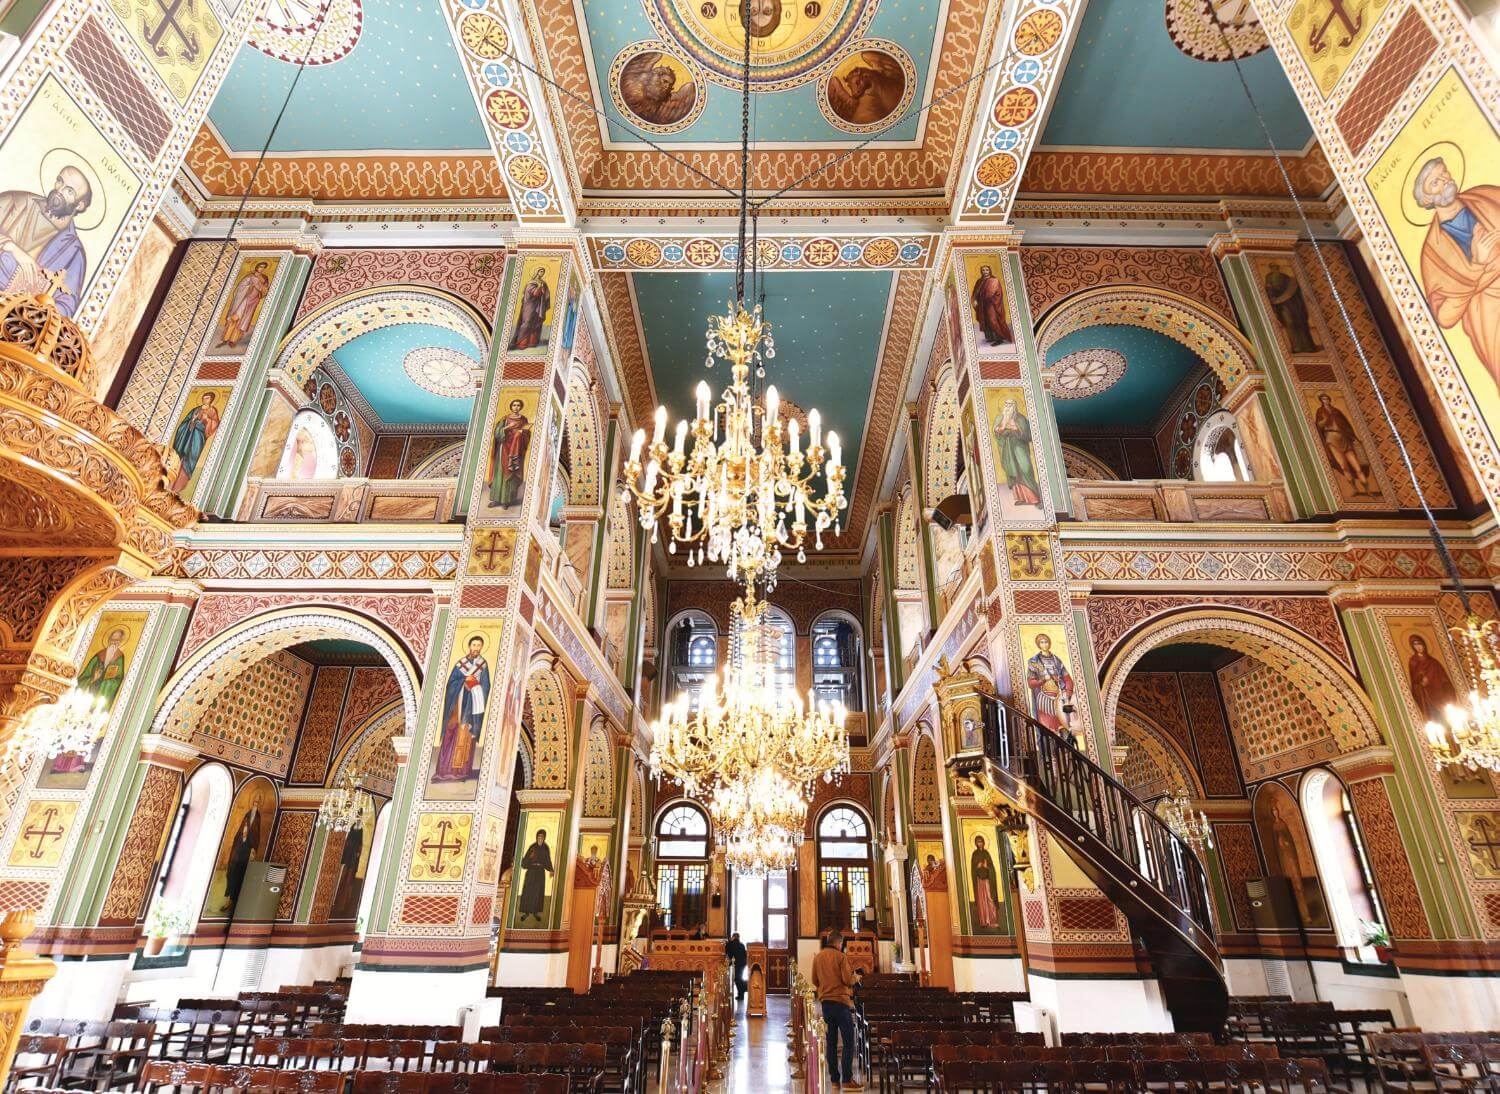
693	643
1340	854
835	662
682	866
843	868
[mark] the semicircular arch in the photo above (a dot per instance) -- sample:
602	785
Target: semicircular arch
220	661
549	729
1328	686
343	319
1210	335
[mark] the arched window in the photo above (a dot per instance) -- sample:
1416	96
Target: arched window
843	869
1218	454
694	645
1340	851
188	860
682	866
836	658
781	654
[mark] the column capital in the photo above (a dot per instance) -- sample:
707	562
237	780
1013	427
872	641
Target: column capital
171	753
1374	762
1226	244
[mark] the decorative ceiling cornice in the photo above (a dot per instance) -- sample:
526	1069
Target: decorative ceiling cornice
1154	173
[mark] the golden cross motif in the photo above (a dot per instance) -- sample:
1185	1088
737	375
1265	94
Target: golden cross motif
438	850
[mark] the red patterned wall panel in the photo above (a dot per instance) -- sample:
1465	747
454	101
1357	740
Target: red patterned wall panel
1398	888
472	274
1235	842
136	866
293	835
315	740
1210	734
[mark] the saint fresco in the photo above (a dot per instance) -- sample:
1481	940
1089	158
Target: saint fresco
111	653
468	694
247	839
64	193
986	290
354	864
1342	446
534	878
1049	681
506	482
535	299
1289	307
1015	461
1283	838
986	885
195	429
237	321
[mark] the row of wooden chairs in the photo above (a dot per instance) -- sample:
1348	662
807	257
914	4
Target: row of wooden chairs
1274	1076
82	1055
198	1078
375	1031
1457	1061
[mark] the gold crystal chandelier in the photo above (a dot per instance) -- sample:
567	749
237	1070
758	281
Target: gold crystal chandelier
1471	737
760	851
73	723
746	726
346	806
745	491
1187	823
766	800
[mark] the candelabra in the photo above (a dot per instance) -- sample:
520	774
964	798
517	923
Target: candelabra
346	806
1471	737
1187	824
71	724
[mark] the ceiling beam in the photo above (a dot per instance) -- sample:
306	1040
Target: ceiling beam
494	51
1030	56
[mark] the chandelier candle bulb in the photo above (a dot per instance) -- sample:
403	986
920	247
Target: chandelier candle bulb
814	428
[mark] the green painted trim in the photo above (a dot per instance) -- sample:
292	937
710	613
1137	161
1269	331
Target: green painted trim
120	774
635	626
1102	747
221	493
469	466
408	789
886	559
914	440
302	913
1413	795
601	533
1308	491
1046	436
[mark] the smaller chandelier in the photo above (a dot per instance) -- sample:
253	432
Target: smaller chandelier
1471	738
739	496
1187	824
757	852
71	724
346	806
766	800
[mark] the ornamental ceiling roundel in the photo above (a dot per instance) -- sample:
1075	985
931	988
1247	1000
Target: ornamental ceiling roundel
1087	372
791	40
442	371
869	86
654	89
1194	31
299	32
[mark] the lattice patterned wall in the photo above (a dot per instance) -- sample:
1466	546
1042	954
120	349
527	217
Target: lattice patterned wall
1275	724
253	722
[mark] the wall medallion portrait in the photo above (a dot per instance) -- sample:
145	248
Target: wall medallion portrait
868	88
247	838
654	89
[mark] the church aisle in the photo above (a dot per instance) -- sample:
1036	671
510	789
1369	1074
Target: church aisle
757	1060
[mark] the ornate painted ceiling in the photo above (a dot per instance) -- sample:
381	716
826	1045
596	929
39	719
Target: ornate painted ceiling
412	375
382	110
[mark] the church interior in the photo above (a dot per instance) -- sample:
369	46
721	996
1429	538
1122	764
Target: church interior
812	545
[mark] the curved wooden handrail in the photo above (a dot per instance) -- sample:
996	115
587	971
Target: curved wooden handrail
1146	869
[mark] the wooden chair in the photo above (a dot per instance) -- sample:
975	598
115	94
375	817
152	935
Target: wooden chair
39	1060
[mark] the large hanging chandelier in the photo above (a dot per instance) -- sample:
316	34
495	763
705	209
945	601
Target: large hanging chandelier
1471	737
346	806
765	800
743	491
745	726
1187	823
71	724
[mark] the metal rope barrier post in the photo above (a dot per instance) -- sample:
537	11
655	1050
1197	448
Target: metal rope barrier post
664	1083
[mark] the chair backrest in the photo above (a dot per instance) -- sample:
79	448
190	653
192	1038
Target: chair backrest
530	1084
390	1082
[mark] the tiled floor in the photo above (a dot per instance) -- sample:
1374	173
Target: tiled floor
757	1062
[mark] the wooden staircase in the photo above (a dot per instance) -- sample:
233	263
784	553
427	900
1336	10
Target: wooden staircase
1150	874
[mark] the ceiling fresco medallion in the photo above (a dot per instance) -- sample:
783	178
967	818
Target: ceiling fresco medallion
1193	30
870	85
300	32
654	89
792	40
442	371
1087	372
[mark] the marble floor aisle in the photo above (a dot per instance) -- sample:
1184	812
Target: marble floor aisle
757	1062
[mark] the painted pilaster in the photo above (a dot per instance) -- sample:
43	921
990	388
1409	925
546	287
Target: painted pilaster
432	920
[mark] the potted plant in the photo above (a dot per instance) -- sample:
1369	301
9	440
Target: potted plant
165	920
1375	935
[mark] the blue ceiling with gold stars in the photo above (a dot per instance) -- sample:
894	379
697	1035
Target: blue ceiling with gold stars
827	328
400	88
375	363
1127	85
1154	366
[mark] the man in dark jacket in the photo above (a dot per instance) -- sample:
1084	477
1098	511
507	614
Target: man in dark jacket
734	949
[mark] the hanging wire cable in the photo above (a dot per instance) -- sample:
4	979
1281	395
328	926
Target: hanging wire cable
1449	564
239	212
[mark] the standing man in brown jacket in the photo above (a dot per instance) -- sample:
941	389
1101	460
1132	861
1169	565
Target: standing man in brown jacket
833	978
